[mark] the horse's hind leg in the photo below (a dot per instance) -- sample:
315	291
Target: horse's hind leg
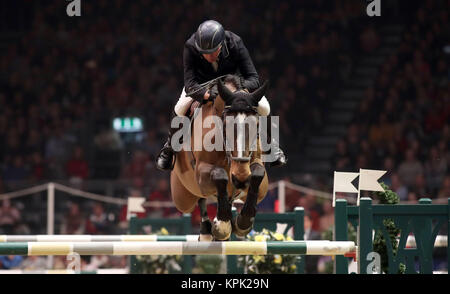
244	221
205	224
222	223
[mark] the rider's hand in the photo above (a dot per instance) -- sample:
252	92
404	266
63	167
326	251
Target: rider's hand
213	92
206	96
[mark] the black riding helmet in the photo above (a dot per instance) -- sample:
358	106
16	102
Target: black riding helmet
209	36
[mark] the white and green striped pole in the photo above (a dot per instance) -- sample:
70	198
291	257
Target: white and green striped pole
97	238
179	248
114	271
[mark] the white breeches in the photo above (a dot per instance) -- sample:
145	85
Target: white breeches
184	103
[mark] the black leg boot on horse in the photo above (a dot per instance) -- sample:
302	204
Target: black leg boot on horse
221	229
205	223
243	223
280	157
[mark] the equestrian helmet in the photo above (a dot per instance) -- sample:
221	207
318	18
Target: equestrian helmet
209	36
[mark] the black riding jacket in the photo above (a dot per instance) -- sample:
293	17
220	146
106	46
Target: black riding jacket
233	59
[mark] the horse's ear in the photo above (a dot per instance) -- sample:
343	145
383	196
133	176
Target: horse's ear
259	93
224	92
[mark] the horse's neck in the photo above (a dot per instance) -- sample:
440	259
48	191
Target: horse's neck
208	110
215	108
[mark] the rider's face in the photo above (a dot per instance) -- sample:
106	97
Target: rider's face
212	56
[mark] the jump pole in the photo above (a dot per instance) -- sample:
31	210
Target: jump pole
97	238
329	248
108	271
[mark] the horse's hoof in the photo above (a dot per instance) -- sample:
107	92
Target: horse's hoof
242	232
205	227
205	238
221	230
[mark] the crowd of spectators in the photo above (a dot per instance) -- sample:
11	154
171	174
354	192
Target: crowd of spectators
402	123
64	79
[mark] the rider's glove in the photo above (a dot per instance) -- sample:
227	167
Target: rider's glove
213	92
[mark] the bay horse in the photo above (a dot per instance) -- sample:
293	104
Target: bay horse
227	174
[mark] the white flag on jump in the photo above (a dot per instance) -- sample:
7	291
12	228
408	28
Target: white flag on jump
343	183
368	180
135	205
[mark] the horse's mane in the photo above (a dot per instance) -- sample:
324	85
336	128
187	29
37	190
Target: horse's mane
241	102
234	80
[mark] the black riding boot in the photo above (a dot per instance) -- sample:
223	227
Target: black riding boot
165	159
281	158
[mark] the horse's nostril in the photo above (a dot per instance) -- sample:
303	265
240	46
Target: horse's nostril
240	184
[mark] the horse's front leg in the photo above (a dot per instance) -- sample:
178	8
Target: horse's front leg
222	223
245	219
205	223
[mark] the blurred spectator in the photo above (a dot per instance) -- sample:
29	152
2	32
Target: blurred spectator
60	262
150	145
268	203
435	170
310	234
381	132
16	171
98	222
2	186
389	167
291	198
108	139
77	168
37	167
34	263
341	159
9	217
419	187
327	218
74	222
444	192
308	202
56	153
10	261
136	168
412	198
398	187
409	169
369	40
160	196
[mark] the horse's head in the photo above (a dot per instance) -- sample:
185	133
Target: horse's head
240	118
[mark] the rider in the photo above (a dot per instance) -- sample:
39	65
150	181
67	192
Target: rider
209	53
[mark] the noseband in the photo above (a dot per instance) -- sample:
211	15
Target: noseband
230	157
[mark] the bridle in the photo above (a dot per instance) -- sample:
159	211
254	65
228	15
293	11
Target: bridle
205	85
227	109
229	154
